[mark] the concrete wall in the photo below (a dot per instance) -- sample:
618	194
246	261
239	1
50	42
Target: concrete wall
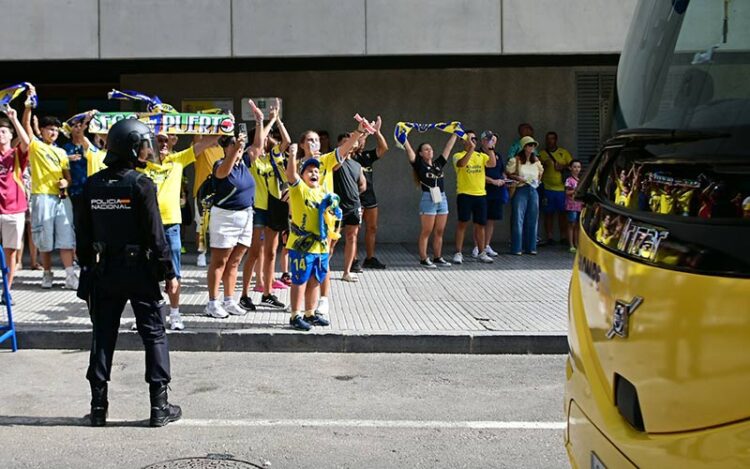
110	29
329	99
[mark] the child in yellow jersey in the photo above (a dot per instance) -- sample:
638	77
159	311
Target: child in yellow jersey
309	147
308	251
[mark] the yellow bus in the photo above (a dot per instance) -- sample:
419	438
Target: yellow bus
659	306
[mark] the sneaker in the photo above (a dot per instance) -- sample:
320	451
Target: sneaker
427	264
458	258
134	326
373	263
299	323
572	250
216	311
246	303
233	308
279	285
440	262
484	258
475	252
356	267
183	250
317	319
490	252
258	288
533	253
323	305
175	322
350	278
47	279
271	300
286	278
71	282
516	254
201	260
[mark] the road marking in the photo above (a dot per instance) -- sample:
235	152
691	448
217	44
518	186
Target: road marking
426	424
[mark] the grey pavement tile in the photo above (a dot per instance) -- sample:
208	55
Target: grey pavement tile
524	294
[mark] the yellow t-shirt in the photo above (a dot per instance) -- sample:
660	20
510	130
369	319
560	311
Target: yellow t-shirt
327	163
470	178
304	203
204	165
47	163
265	178
94	161
168	179
552	178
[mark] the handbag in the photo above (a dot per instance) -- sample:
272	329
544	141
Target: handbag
512	187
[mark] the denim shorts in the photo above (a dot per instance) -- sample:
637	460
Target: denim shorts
52	222
172	233
260	217
555	201
428	207
573	216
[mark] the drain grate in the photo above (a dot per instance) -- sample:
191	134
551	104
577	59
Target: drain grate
210	462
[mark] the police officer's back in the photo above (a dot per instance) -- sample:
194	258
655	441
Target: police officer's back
124	255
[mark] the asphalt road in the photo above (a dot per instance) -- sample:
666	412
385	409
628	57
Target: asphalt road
278	410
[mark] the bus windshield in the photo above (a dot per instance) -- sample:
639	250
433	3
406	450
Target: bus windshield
686	66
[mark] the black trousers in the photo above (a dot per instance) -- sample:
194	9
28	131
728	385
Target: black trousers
106	310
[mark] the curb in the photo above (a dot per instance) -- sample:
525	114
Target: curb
254	340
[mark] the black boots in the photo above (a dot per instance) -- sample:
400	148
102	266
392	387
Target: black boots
99	404
162	412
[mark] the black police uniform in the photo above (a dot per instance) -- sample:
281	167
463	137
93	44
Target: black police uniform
124	254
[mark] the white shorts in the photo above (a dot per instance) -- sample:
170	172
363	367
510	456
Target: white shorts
11	230
228	228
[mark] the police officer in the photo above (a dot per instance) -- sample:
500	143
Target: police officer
123	255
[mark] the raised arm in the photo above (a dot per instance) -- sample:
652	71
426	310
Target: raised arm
465	160
410	152
26	118
232	153
199	146
449	146
285	139
23	137
256	149
348	143
382	144
489	149
291	170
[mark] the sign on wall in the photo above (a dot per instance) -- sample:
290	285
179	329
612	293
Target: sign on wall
202	104
264	104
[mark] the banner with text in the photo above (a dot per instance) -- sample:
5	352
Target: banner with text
175	124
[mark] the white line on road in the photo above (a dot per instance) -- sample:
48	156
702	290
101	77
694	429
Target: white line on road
426	424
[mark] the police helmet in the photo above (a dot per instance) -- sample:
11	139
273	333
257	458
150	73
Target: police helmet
125	140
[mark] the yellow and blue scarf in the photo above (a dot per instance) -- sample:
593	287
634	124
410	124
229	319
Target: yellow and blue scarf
12	92
67	126
153	104
403	128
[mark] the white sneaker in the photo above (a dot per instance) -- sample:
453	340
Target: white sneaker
134	326
350	278
71	282
323	306
233	308
201	260
175	322
47	278
475	252
485	258
491	252
458	258
216	311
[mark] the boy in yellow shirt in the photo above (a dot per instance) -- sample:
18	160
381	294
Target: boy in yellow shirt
51	209
471	200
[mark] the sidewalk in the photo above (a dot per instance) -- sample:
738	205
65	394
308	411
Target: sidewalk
516	305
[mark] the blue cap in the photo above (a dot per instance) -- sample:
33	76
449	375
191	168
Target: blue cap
308	162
